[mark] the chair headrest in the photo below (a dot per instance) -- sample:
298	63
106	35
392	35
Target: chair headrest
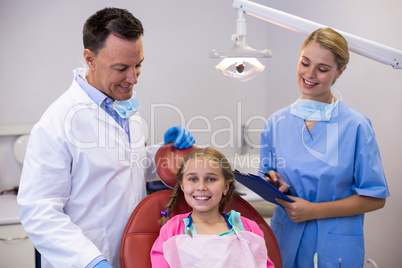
168	159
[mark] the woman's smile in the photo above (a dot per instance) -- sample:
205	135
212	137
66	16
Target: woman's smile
308	83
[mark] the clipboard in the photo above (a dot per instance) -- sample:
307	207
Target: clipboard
260	187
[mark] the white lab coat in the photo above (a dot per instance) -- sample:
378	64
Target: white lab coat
81	180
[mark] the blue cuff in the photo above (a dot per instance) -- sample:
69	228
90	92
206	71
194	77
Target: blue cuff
95	261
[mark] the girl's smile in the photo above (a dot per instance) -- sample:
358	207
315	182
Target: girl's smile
203	185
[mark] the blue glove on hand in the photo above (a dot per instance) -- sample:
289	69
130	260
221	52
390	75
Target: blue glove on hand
103	264
181	137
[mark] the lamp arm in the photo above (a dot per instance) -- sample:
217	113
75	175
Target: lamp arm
241	29
361	46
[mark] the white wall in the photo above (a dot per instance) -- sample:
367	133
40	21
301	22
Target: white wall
41	43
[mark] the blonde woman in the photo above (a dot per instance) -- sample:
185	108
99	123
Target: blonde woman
330	157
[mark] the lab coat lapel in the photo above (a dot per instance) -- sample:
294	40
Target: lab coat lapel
85	101
137	139
138	159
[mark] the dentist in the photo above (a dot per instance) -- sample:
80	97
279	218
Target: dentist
330	157
86	163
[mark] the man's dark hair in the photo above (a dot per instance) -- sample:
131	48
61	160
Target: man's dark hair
116	21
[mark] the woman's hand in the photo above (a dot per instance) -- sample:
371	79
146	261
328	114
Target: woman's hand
275	179
303	210
299	210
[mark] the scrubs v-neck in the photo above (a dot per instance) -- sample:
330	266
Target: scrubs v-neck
336	159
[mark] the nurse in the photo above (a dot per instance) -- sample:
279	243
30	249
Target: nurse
86	163
329	155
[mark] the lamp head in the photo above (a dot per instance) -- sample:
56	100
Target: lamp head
240	69
239	62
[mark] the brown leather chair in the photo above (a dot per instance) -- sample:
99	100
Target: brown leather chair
142	228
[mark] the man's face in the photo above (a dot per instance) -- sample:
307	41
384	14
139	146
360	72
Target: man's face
115	70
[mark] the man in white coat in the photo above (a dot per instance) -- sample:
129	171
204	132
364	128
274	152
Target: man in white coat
86	162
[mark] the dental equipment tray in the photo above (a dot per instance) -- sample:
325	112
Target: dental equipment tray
260	187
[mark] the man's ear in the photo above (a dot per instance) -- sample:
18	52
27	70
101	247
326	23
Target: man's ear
89	57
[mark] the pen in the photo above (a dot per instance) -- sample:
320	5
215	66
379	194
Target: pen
282	181
315	260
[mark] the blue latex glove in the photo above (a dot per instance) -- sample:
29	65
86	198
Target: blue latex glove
181	137
103	264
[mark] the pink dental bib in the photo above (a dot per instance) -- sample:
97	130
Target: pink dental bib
245	249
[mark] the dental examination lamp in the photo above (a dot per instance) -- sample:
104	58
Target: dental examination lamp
240	63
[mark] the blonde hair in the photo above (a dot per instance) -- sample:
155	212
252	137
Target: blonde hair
330	39
210	154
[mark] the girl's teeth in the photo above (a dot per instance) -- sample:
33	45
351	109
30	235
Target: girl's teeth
202	198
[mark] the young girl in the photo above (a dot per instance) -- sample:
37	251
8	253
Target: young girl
207	237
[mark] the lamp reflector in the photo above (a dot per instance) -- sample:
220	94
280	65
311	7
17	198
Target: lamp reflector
240	69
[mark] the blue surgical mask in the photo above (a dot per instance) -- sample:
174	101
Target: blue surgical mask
313	110
127	108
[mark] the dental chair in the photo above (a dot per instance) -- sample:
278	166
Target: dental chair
142	228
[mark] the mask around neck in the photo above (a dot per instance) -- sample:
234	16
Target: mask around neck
124	108
313	110
128	107
81	72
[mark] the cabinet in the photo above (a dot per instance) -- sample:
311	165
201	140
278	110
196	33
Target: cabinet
16	250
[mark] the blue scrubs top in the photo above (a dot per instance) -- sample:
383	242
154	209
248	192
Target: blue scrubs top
336	159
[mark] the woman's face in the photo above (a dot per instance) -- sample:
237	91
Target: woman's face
316	72
203	185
